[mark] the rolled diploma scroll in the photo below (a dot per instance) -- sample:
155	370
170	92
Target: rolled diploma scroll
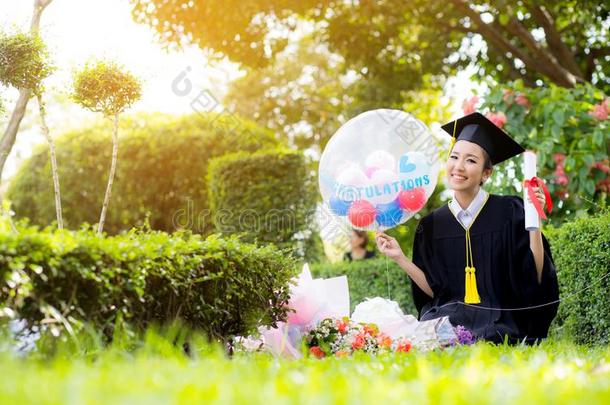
532	220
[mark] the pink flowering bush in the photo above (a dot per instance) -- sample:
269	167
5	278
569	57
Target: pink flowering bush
499	118
600	111
470	105
569	130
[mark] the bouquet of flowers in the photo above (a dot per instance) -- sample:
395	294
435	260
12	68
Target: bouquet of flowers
342	337
318	322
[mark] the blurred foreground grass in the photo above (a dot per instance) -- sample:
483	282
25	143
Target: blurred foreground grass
156	371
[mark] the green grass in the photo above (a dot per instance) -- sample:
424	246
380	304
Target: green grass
157	372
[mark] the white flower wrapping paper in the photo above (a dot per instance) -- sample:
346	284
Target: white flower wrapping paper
311	300
390	319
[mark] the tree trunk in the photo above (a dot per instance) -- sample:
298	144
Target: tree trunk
8	139
115	152
45	130
532	53
10	134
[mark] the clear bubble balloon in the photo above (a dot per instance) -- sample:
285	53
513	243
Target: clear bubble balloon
379	169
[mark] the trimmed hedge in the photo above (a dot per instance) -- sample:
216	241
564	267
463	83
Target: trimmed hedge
368	278
581	250
219	286
160	174
267	197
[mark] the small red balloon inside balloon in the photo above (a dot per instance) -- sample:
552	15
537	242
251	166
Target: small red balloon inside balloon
412	200
361	213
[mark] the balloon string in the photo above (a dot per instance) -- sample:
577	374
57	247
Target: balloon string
520	308
387	277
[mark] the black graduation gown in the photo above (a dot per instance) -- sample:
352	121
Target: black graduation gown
505	272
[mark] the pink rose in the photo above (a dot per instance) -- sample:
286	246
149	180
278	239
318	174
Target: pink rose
522	100
559	158
604	166
603	185
506	93
600	111
560	175
469	105
499	118
562	180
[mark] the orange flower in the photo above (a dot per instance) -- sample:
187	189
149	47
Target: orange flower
358	342
342	353
404	346
341	326
384	340
370	330
316	351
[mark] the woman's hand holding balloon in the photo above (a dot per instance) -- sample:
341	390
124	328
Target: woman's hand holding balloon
388	246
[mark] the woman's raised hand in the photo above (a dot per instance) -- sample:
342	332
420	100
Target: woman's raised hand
388	246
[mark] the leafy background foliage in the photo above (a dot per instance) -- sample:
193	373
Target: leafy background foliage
160	176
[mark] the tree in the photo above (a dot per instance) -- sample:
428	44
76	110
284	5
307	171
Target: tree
10	134
301	95
534	40
104	87
307	93
24	66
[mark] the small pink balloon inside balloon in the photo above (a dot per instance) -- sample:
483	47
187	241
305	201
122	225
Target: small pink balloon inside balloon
369	171
412	200
361	214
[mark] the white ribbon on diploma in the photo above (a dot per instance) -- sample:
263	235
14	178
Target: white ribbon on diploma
532	221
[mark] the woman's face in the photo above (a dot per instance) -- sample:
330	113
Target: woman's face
465	166
356	240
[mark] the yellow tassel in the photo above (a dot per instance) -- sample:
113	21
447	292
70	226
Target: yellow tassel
472	294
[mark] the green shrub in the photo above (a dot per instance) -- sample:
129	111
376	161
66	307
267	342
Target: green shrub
370	278
268	196
220	286
581	250
160	174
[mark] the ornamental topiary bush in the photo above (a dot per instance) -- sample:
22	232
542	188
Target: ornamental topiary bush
162	179
268	196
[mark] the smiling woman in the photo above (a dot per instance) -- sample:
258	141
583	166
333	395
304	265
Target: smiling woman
473	260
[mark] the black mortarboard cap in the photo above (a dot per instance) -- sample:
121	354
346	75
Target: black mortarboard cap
478	129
